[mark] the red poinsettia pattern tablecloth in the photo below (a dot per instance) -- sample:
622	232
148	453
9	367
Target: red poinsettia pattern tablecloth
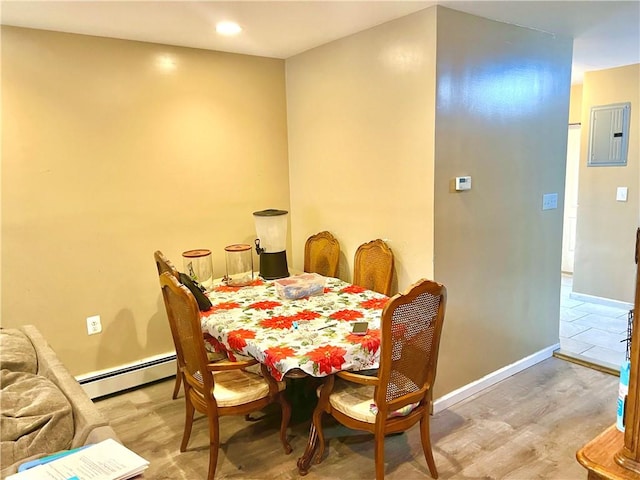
312	334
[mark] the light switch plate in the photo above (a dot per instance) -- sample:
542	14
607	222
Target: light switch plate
549	201
621	194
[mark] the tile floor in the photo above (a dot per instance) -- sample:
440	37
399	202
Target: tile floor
592	331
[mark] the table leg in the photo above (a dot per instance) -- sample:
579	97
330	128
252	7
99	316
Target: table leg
304	462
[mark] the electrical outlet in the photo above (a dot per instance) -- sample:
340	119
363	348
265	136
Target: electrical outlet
93	325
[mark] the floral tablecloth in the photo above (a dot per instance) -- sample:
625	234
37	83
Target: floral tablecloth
312	334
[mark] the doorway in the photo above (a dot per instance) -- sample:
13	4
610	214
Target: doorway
571	198
589	332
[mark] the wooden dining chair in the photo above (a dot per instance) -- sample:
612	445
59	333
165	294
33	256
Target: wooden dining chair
322	254
401	393
373	267
215	389
163	264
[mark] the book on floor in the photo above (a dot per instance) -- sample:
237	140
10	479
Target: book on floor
107	460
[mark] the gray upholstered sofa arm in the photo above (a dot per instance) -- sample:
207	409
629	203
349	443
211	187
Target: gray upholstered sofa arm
89	425
86	415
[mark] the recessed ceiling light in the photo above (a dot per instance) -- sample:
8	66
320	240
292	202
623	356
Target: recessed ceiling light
228	28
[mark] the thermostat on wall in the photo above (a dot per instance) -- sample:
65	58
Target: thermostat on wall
463	183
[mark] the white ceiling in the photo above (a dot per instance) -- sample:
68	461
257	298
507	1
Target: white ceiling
606	33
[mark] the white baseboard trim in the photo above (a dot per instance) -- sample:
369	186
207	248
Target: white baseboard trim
472	388
583	297
113	380
106	382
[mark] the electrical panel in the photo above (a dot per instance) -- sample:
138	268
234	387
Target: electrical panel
609	135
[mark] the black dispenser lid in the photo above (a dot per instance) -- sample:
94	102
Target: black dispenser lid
270	212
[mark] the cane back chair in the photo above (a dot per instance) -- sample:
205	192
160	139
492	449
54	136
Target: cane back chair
322	254
163	264
215	389
401	394
373	266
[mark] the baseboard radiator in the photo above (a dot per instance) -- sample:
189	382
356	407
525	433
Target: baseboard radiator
107	382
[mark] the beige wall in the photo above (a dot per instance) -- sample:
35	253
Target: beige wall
98	131
604	262
106	157
502	112
361	116
361	130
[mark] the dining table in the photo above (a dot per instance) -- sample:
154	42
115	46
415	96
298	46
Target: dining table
310	336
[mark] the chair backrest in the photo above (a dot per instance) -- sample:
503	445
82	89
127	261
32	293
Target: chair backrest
163	264
373	267
184	319
322	254
411	325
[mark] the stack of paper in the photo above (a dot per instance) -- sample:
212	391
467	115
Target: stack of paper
107	460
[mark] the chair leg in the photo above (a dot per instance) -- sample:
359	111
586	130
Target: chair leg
176	388
284	423
214	444
379	455
188	420
425	436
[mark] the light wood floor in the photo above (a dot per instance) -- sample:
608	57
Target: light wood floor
528	426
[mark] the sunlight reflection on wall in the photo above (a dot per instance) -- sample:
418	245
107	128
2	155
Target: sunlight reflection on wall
513	91
165	63
402	57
